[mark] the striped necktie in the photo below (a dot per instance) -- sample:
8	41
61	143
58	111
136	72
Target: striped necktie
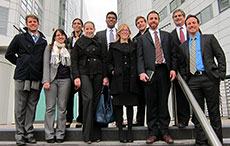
192	62
158	51
35	38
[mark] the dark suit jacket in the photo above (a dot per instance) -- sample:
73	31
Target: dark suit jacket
177	43
146	52
210	49
101	35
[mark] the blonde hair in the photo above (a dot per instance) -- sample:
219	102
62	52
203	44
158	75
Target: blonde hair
120	28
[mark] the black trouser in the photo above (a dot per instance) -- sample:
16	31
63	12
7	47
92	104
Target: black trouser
203	88
140	117
183	109
70	106
91	91
156	95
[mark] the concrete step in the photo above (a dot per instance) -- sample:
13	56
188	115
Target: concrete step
111	133
185	142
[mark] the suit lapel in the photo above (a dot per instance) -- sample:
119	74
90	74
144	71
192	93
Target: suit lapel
149	37
202	40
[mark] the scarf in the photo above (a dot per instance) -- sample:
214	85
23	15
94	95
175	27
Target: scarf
62	57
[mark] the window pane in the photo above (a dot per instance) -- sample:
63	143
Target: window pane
3	20
206	14
173	5
224	4
163	13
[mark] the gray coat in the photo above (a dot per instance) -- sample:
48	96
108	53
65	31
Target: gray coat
49	70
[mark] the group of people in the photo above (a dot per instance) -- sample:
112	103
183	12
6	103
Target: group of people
136	72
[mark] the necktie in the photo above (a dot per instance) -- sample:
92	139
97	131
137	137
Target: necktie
35	38
192	62
111	36
182	39
159	58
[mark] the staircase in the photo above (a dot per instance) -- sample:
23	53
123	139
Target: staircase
182	137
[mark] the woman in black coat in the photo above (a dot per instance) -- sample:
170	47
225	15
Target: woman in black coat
124	87
89	73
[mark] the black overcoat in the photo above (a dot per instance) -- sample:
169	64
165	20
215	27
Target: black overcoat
115	62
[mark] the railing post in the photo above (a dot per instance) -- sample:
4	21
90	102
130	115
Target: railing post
211	135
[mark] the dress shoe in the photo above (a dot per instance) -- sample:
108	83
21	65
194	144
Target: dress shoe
88	142
151	139
31	140
67	125
168	139
20	142
59	140
50	140
78	125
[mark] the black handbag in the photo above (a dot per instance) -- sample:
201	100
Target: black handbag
104	111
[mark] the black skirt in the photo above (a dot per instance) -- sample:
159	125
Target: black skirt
126	98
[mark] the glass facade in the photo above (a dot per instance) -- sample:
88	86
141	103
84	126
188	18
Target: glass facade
3	20
205	15
223	5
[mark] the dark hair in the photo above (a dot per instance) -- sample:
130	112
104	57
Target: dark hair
31	16
139	17
155	12
113	13
54	35
178	10
90	23
77	19
190	16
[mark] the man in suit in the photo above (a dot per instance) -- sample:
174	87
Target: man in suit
26	52
180	35
203	66
105	37
141	25
109	34
156	54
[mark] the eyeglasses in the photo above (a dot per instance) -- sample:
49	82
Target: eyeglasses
114	18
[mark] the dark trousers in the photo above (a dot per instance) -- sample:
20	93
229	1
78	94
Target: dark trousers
203	88
156	94
118	109
91	91
182	105
70	106
140	117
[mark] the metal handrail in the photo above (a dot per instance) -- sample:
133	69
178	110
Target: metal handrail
199	113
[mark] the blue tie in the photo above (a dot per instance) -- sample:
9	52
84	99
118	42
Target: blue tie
35	38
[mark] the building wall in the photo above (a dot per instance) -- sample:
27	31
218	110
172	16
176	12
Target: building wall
218	25
12	13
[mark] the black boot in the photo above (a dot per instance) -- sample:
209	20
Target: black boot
122	136
130	123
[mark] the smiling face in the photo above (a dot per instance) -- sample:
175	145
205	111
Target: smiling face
89	30
111	21
32	24
192	26
178	19
141	24
77	25
59	37
153	21
124	33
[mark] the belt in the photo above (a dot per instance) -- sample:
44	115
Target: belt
199	73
